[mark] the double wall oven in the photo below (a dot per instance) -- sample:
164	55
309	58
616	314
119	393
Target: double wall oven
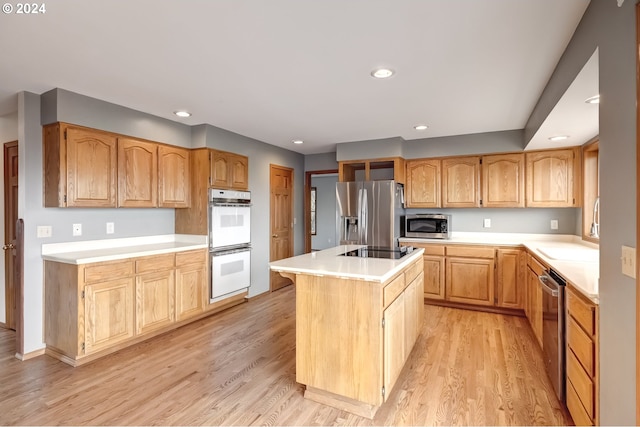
229	242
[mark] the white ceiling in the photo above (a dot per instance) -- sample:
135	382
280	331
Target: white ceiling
280	70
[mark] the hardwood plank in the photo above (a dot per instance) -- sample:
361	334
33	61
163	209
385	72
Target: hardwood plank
238	368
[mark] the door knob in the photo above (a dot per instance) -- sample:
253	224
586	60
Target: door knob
9	246
274	236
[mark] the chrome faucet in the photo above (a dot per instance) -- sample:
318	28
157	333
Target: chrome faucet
595	226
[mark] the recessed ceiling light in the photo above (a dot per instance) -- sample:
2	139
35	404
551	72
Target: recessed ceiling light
182	113
559	138
297	141
593	100
382	73
421	127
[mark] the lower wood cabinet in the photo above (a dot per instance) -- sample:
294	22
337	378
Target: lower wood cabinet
94	309
474	275
533	304
582	358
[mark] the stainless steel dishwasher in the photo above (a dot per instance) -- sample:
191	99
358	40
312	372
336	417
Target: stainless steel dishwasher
553	339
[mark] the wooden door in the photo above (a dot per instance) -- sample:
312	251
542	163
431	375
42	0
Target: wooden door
91	168
509	281
281	210
433	276
503	181
470	280
550	178
461	182
137	173
109	313
423	183
10	218
174	179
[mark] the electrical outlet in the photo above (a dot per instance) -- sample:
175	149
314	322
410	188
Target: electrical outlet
554	224
628	261
77	229
44	231
487	223
110	228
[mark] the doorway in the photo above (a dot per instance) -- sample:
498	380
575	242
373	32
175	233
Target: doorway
323	216
281	214
10	218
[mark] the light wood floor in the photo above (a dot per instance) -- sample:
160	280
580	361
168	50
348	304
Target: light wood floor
238	368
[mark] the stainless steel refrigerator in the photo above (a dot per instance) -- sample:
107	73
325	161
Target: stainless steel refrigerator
368	212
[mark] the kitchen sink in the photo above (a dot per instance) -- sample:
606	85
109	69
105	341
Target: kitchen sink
570	254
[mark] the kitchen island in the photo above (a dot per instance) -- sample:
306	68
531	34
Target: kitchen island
357	320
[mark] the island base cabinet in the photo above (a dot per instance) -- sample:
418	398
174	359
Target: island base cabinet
353	336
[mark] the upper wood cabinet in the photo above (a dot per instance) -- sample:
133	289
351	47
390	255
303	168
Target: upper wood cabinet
550	178
503	181
137	173
461	182
423	183
229	170
372	170
79	167
173	177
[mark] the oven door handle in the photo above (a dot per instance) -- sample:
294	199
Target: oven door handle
543	281
230	251
231	205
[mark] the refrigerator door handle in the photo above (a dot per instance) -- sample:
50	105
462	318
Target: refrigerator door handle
364	217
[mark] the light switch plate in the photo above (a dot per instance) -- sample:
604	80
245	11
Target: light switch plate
554	224
628	261
44	231
110	228
487	223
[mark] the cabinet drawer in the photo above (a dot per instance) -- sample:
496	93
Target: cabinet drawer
581	382
582	346
190	257
583	313
155	263
412	271
579	415
108	271
535	265
393	289
470	252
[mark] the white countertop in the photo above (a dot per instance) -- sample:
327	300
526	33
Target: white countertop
90	251
328	262
575	260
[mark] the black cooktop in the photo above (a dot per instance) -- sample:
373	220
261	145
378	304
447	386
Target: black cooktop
380	252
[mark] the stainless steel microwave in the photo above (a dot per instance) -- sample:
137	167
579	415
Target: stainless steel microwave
427	226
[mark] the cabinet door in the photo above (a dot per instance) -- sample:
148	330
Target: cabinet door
503	181
137	173
510	287
470	280
433	276
191	288
394	338
239	173
91	168
173	177
154	300
414	312
220	169
109	313
461	182
423	183
550	178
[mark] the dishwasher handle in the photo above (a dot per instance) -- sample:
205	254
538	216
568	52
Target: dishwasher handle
544	279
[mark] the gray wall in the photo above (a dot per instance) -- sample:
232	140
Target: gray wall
531	220
325	211
358	150
460	145
320	162
612	30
